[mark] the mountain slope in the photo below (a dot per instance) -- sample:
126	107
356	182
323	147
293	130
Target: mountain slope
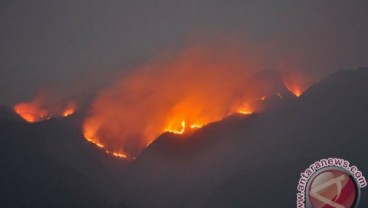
255	161
330	120
242	161
49	164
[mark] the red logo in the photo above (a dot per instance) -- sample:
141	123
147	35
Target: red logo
332	188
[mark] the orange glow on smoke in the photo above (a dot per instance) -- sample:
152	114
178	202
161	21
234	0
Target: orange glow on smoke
294	83
175	94
31	113
183	128
244	108
88	135
41	108
69	110
296	91
181	131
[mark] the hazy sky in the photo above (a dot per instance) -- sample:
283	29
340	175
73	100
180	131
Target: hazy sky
71	43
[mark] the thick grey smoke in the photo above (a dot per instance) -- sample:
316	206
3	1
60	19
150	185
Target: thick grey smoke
58	43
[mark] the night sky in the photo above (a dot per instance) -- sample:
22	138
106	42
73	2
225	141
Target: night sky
85	43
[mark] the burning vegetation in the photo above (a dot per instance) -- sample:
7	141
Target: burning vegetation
43	107
295	83
174	94
182	93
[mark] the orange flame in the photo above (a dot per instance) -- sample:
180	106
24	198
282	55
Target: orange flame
41	108
244	112
69	110
195	126
181	131
197	87
30	112
244	108
294	82
295	89
121	155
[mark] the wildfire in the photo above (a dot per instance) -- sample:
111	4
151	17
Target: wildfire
31	113
295	90
245	108
183	128
195	126
294	83
181	131
41	108
244	112
69	110
177	95
121	155
89	135
95	143
99	145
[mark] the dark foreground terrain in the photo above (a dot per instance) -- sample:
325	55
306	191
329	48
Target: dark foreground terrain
242	161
